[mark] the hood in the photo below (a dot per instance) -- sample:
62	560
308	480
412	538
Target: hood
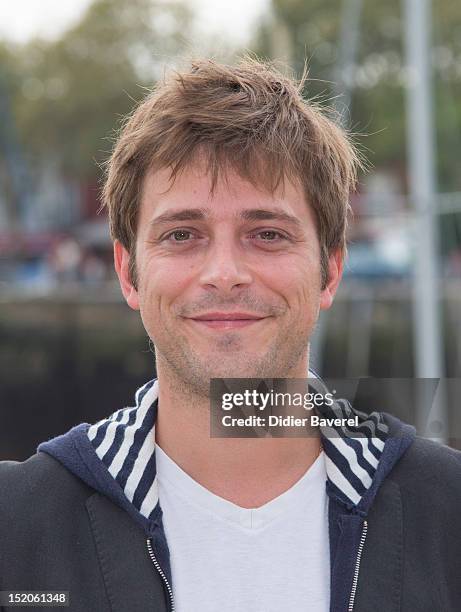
116	457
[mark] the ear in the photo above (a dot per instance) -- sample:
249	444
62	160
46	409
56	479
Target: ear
335	272
121	261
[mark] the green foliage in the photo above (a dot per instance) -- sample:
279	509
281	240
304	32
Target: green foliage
313	31
75	90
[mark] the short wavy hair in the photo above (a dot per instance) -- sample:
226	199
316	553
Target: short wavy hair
250	118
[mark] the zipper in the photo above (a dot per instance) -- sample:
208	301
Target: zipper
161	572
357	567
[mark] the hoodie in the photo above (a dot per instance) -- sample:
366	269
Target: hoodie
116	457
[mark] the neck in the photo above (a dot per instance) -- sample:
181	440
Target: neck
246	471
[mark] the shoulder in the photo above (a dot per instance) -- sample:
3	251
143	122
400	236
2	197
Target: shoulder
429	465
41	483
43	516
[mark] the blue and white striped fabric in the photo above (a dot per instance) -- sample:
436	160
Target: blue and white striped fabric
125	443
352	454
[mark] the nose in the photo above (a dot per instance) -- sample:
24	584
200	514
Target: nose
225	268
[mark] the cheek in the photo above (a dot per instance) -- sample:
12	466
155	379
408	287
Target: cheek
161	283
301	275
299	283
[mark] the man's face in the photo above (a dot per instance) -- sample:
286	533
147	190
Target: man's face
241	254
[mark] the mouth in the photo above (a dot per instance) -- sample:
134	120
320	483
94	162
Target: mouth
225	321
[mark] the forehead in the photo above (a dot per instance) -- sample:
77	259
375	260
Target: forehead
232	196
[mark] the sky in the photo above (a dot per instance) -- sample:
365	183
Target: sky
22	19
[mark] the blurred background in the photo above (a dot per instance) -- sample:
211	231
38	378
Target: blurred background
70	348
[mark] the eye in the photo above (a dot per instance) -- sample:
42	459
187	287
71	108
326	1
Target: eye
269	236
180	235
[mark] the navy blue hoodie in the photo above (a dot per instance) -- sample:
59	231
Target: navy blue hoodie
116	457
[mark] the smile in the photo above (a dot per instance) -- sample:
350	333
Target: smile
226	323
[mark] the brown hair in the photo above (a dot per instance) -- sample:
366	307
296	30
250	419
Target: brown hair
248	117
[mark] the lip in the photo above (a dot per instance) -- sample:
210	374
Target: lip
227	316
227	320
227	323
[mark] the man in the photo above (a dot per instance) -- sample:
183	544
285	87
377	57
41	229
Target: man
228	202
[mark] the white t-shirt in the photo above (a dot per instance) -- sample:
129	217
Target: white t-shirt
232	559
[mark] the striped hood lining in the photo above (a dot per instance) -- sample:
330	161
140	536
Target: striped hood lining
125	443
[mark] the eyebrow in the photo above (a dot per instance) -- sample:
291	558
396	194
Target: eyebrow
250	214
